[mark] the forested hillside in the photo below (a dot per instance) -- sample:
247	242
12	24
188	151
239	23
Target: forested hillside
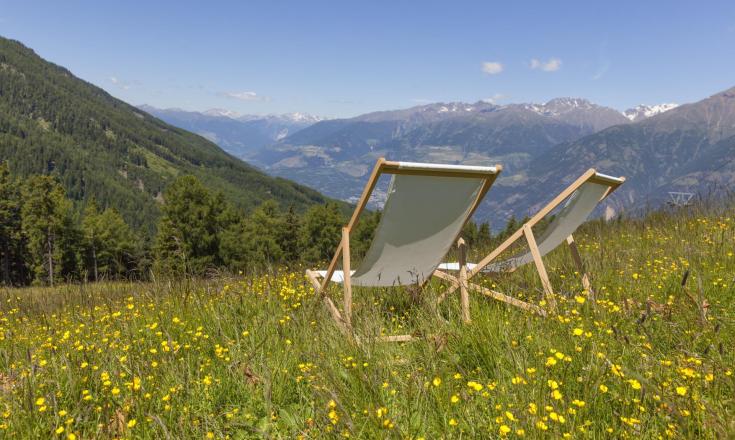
102	148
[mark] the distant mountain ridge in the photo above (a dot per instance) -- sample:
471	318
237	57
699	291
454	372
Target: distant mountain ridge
688	148
101	147
336	155
240	135
542	146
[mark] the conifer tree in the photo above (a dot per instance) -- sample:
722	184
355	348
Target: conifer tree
483	234
190	228
44	215
110	246
262	234
11	240
288	239
321	231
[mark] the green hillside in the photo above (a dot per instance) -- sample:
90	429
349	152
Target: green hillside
101	147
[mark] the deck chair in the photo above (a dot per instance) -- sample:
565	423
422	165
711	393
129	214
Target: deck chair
426	208
582	197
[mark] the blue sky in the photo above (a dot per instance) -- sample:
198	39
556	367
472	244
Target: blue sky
343	58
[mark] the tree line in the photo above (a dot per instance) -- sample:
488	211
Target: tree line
46	238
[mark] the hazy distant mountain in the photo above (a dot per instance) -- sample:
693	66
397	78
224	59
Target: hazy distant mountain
642	111
336	155
241	135
688	148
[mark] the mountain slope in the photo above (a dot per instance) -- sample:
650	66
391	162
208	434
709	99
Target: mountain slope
689	148
335	156
240	135
104	148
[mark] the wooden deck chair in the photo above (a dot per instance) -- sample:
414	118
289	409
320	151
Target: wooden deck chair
426	208
582	197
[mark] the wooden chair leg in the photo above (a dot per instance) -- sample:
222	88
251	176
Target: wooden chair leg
548	291
454	285
313	280
347	277
463	295
580	266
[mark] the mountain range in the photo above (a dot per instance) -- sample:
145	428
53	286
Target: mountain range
239	135
102	148
335	156
659	148
689	148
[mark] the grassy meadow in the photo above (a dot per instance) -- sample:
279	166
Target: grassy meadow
258	356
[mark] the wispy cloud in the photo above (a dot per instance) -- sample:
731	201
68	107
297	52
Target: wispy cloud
421	101
492	67
124	85
495	98
246	96
552	65
603	62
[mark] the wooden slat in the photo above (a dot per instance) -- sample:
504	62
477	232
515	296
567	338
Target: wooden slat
507	299
446	277
313	279
336	316
568	191
540	268
331	268
347	278
580	266
391	167
365	197
463	295
494	254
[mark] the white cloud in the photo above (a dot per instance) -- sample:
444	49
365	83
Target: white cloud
552	65
246	96
125	85
492	67
421	101
495	98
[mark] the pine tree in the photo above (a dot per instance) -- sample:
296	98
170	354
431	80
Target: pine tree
288	239
321	232
232	249
11	240
483	234
190	228
469	233
92	237
262	234
44	215
110	246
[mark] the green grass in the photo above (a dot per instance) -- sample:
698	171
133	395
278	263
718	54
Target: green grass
258	356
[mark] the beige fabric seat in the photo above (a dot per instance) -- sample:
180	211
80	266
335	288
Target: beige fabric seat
426	208
577	202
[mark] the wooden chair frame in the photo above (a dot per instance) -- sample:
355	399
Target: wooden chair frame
383	166
526	231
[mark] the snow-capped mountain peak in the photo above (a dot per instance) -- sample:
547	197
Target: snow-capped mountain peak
222	112
560	106
643	111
